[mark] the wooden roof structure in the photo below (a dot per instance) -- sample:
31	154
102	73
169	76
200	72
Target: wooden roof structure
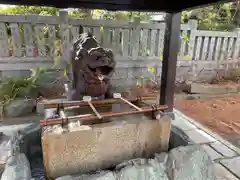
169	6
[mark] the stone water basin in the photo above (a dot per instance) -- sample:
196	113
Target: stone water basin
29	143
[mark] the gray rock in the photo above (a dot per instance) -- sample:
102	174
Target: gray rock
138	161
182	163
31	140
68	177
189	162
136	169
14	145
5	148
2	167
151	170
19	139
162	158
178	138
101	175
9	145
19	107
17	168
190	97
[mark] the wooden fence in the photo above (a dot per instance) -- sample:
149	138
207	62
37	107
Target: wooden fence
28	41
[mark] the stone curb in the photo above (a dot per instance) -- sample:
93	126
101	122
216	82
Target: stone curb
213	88
208	131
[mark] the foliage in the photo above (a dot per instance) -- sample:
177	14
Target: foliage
81	13
39	76
126	15
76	13
220	17
14	87
109	15
216	17
41	10
185	16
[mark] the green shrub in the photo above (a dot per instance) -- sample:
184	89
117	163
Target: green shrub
15	87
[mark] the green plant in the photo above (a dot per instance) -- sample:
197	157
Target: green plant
15	87
39	76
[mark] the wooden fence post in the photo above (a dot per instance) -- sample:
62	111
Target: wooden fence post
65	44
236	51
4	46
65	35
135	39
193	26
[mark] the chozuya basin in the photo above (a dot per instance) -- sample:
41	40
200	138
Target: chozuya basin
24	152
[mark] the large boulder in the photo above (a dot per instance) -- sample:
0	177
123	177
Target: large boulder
9	144
17	168
101	175
19	107
152	169
30	142
15	144
182	163
5	151
5	148
189	162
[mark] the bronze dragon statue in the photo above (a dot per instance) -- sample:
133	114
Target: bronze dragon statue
92	68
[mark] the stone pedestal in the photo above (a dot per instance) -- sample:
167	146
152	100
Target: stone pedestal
82	149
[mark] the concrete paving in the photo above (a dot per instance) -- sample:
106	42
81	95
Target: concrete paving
224	154
200	137
223	173
233	165
223	149
211	152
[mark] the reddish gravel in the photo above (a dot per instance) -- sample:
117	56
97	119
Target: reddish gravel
221	115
